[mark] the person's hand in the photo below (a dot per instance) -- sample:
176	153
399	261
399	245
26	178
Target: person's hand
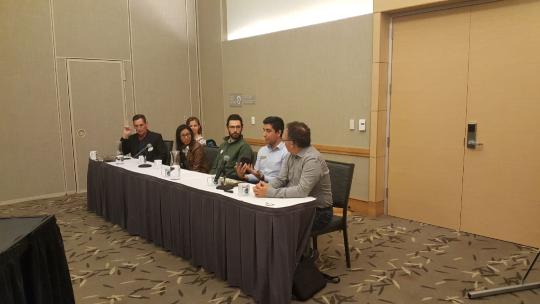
258	174
241	170
126	131
260	189
250	169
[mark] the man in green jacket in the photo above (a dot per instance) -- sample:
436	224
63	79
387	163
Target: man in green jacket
237	150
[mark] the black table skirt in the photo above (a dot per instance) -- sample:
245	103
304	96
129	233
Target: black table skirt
252	247
34	269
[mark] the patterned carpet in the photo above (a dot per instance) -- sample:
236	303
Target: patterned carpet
393	261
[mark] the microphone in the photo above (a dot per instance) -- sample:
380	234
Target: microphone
148	147
221	170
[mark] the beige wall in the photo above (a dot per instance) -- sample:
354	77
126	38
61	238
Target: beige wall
359	189
209	20
30	140
319	74
287	72
155	43
165	62
298	74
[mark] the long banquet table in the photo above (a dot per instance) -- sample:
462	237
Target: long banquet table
253	243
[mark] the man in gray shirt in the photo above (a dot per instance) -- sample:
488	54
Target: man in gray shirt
303	173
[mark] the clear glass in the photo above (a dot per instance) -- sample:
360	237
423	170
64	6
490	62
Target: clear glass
119	156
119	159
175	172
175	165
243	189
157	164
175	158
210	181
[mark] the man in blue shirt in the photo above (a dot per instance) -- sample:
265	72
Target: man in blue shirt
269	157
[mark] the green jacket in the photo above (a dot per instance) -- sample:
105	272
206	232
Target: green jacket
236	150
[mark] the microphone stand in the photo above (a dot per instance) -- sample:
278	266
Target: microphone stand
144	165
507	289
220	172
142	151
145	149
226	188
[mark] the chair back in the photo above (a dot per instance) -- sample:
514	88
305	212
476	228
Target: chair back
211	154
169	145
341	175
254	156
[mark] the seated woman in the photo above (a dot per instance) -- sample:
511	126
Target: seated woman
195	126
191	152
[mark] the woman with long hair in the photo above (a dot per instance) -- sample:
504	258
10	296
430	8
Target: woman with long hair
195	125
192	154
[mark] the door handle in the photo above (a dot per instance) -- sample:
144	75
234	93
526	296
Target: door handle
81	132
472	143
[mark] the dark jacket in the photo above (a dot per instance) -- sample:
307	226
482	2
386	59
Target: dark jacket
133	145
237	151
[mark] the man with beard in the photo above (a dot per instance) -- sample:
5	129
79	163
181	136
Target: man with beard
234	146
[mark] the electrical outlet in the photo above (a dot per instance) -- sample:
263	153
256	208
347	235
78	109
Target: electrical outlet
361	125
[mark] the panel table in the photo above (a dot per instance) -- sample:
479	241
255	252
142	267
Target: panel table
253	243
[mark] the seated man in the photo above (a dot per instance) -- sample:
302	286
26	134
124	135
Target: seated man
304	173
269	157
234	147
137	142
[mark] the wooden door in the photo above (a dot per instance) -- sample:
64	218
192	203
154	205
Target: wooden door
501	184
427	116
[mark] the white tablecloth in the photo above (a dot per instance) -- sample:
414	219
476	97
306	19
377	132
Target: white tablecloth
200	181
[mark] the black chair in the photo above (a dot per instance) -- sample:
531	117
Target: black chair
169	146
341	175
211	154
254	156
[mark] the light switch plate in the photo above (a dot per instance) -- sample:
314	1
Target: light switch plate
351	124
252	120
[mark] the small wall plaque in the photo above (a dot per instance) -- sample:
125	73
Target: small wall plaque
248	99
237	100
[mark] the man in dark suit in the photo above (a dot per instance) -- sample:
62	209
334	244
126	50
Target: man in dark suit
141	138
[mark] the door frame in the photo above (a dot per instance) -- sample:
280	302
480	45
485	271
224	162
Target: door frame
71	105
389	42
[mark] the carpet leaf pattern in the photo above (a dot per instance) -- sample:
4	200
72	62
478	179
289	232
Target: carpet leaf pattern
393	261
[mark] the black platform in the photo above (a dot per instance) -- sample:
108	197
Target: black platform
33	265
